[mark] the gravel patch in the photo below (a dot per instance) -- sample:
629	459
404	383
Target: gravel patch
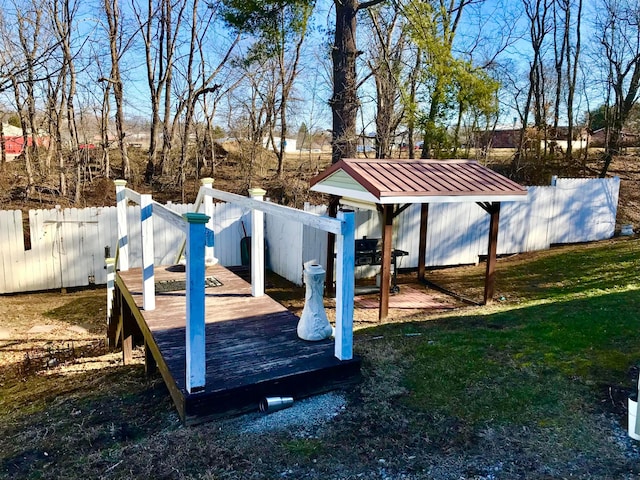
301	416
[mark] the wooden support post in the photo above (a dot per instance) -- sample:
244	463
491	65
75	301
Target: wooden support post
422	248
257	245
195	325
110	264
490	277
385	263
121	214
148	278
150	365
331	243
345	284
114	316
207	204
126	331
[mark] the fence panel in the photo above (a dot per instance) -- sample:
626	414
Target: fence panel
284	247
314	244
584	210
455	233
12	251
40	259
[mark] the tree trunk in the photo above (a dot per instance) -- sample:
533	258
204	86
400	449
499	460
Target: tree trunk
112	11
344	102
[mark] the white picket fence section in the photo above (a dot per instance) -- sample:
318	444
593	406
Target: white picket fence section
68	245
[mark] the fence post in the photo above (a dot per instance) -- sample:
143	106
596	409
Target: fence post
257	245
123	238
207	203
148	279
195	324
345	283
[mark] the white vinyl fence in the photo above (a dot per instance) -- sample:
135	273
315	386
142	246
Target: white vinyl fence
574	210
68	245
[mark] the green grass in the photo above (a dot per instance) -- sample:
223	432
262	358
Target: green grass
536	362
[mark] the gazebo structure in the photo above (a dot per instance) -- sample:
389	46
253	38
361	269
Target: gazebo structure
391	185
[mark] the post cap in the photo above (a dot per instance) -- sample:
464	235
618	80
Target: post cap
196	217
120	182
257	192
206	181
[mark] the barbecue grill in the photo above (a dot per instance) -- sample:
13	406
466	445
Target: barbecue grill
368	251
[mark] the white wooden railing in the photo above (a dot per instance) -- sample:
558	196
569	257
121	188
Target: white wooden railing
198	248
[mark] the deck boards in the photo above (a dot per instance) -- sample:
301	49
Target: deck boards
252	348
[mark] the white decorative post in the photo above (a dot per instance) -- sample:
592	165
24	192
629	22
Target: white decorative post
121	213
313	324
148	279
345	283
195	325
257	245
207	203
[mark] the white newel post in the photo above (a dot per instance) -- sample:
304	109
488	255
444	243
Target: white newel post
195	334
257	245
111	284
345	283
207	203
121	215
313	324
148	279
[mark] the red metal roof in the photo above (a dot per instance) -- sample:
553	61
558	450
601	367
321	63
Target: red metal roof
424	178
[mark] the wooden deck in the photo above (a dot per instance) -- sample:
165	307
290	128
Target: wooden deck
252	348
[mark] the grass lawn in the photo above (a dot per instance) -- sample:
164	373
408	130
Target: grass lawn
533	386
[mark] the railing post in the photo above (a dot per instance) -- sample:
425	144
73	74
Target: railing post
195	325
345	283
148	282
123	238
111	284
207	203
257	245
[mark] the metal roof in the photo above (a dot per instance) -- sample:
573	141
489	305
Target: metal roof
395	181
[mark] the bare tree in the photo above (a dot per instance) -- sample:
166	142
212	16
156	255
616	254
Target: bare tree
387	62
118	45
199	77
537	12
618	24
62	17
159	31
572	61
29	39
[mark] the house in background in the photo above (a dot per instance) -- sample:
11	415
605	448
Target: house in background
556	140
14	141
290	144
628	139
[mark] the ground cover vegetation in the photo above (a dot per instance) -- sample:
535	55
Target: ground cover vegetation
534	386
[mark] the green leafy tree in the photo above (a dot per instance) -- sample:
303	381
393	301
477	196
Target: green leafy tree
447	82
